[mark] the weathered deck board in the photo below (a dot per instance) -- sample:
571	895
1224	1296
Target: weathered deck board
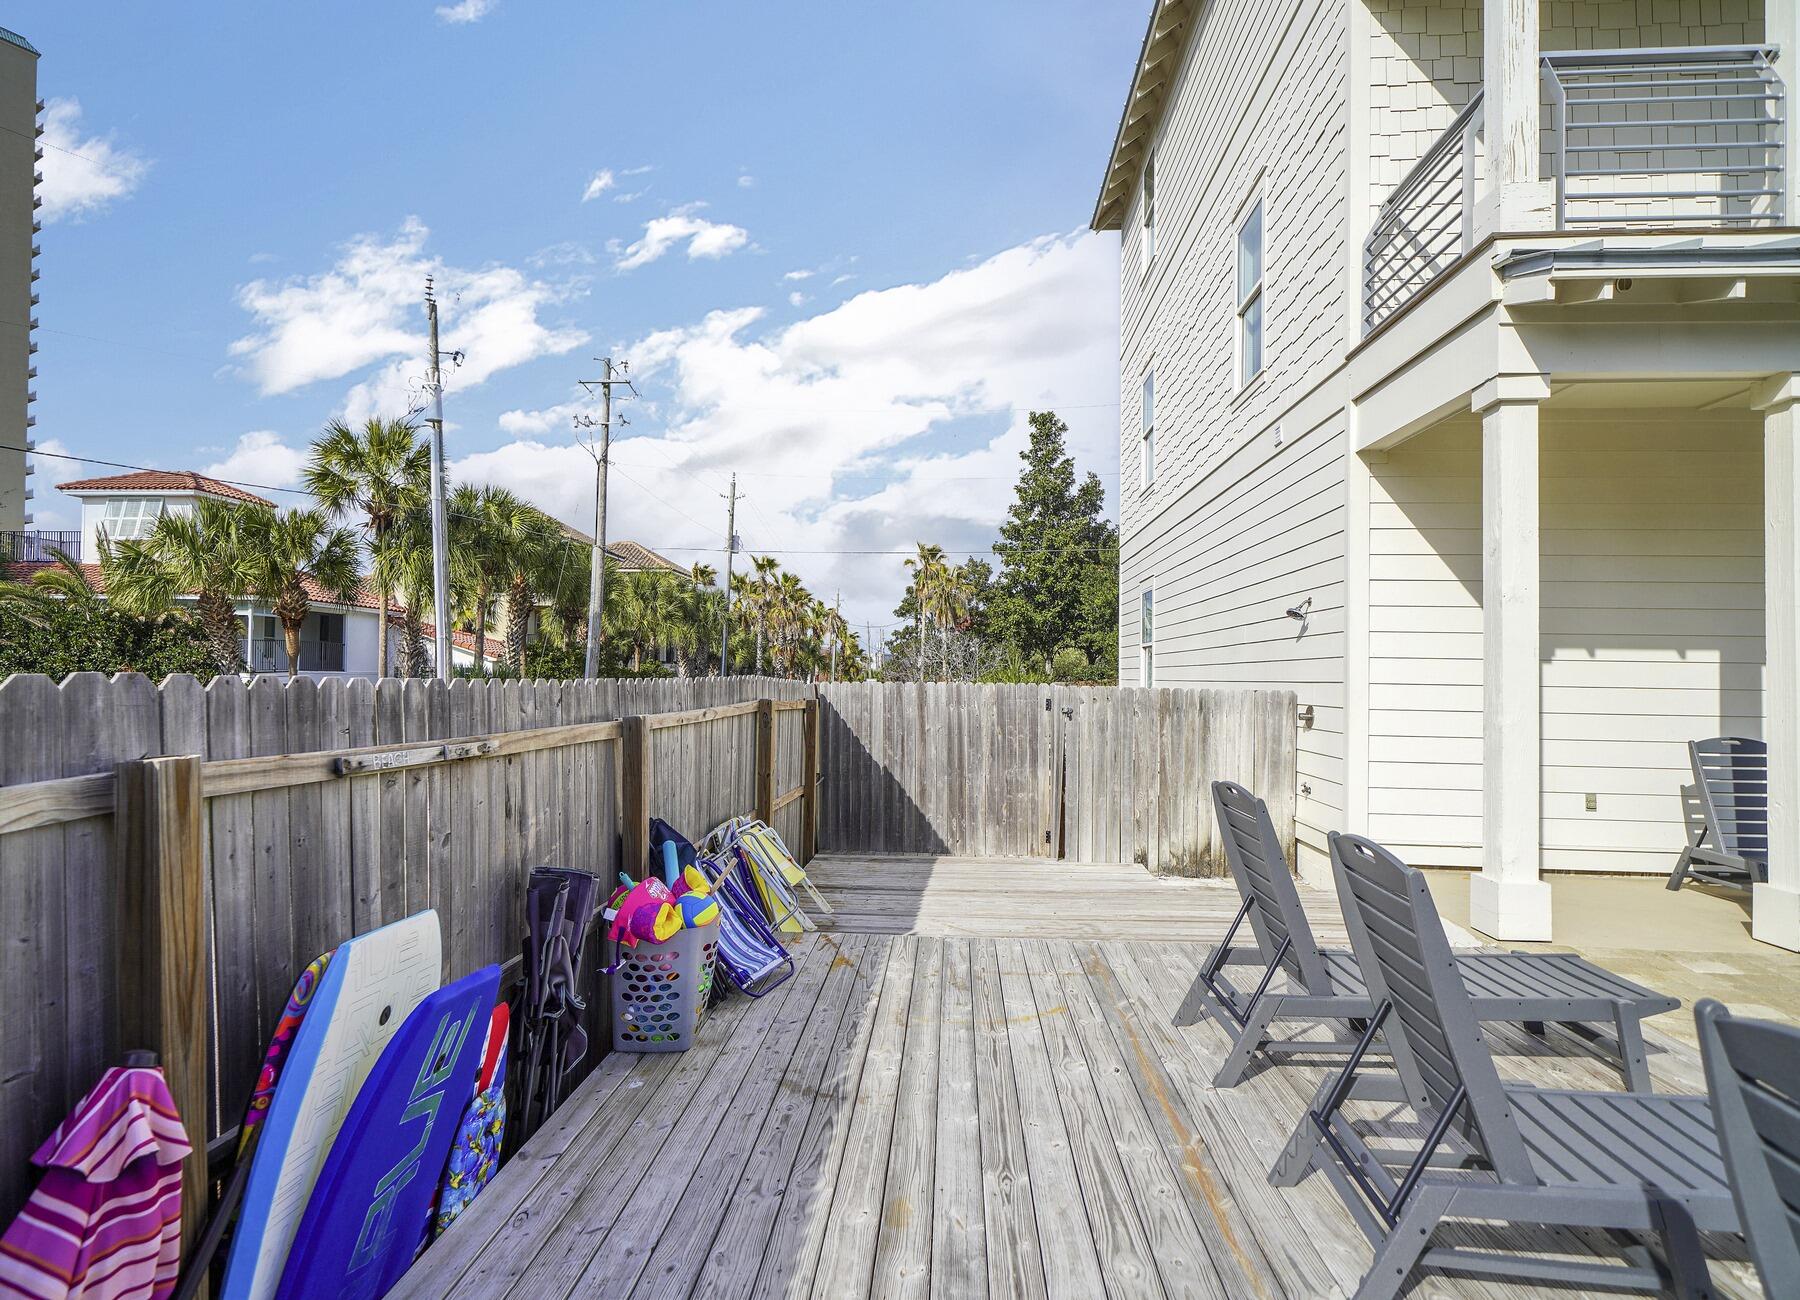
1010	1114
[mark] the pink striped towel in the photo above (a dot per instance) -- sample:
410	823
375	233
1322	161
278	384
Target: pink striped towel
105	1221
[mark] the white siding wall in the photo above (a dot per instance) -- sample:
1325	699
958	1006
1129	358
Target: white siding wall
1652	631
1234	529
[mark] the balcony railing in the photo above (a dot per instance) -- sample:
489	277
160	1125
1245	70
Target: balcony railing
35	546
1427	223
1666	137
1683	138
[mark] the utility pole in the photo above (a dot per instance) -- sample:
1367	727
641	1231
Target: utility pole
597	571
730	554
440	540
837	610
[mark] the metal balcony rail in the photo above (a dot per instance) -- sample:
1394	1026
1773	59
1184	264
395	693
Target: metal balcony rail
1427	223
1690	137
38	546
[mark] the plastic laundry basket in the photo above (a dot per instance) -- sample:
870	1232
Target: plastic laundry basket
660	990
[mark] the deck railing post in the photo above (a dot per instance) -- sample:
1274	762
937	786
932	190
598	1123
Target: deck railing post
765	761
159	820
637	775
809	778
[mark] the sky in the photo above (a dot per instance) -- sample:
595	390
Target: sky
842	247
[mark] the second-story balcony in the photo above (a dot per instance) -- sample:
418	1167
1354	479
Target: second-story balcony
1691	139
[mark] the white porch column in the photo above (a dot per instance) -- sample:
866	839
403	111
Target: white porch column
1775	906
1508	900
1515	197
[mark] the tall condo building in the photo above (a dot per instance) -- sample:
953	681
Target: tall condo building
19	156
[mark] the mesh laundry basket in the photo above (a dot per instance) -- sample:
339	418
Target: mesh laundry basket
659	991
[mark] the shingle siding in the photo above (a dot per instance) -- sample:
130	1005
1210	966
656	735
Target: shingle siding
1234	530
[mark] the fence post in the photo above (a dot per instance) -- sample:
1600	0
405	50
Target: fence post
765	761
809	777
159	818
636	778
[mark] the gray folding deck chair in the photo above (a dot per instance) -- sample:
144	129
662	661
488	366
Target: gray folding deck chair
1326	984
1493	1151
1729	845
1753	1079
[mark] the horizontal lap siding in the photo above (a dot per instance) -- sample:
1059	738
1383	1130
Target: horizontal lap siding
1234	530
1651	632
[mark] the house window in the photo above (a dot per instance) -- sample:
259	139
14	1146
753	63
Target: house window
323	651
1147	236
1250	294
1146	642
267	649
1147	452
126	519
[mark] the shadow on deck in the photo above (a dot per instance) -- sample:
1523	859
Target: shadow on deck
973	1087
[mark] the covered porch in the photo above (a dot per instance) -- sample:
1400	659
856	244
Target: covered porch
1568	579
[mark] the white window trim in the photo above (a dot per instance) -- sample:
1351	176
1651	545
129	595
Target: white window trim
1147	645
1257	294
1147	216
1147	432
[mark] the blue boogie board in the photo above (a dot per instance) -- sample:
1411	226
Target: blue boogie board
368	989
371	1206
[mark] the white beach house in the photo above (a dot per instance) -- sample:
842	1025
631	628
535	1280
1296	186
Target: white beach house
1458	362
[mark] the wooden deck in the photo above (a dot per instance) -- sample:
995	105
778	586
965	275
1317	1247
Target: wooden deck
955	1114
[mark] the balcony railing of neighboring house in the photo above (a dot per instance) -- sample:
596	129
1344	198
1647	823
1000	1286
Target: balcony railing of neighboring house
1684	138
36	545
1427	223
269	655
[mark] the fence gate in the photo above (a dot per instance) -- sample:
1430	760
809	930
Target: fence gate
1088	774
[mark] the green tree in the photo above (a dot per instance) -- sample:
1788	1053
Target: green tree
379	472
929	573
764	570
649	612
204	554
1055	548
293	554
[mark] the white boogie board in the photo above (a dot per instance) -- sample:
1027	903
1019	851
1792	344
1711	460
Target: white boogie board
371	985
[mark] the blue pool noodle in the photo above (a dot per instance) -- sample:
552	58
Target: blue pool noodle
671	866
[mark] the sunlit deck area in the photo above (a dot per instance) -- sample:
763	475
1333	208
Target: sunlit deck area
974	1086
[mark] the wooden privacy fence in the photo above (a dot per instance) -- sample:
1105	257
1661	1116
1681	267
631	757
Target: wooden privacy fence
172	857
1090	774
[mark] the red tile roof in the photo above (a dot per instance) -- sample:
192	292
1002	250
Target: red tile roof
164	480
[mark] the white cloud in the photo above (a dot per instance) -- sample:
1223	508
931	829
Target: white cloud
631	196
796	298
603	181
82	175
746	181
366	311
895	417
709	239
261	457
465	11
799	275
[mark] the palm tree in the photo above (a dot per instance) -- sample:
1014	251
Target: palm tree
947	605
764	567
381	471
834	629
929	571
31	600
648	612
291	555
204	553
478	531
789	605
704	575
526	537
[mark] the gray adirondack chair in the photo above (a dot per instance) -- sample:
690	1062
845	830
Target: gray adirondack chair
1753	1078
1326	984
1729	845
1503	1153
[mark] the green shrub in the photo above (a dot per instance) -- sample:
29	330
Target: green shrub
74	636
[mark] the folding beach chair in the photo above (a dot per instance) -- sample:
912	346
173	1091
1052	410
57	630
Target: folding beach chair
1729	845
1326	984
1625	1161
749	953
770	869
1753	1079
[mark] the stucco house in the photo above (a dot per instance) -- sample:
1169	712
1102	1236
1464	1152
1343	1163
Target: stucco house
1458	370
338	637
